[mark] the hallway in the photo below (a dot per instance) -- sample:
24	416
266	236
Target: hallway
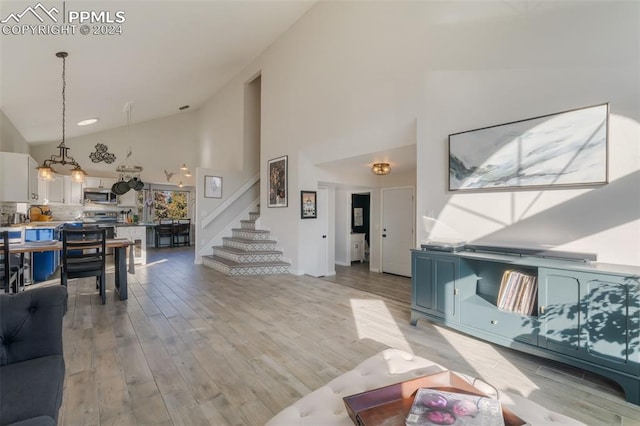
359	276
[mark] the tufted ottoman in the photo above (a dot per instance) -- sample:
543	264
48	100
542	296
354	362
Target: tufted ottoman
325	406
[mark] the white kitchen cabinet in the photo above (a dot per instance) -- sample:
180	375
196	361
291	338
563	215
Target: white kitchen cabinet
18	178
72	191
94	182
137	234
357	247
51	191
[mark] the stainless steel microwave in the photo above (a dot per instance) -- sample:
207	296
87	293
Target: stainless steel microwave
99	196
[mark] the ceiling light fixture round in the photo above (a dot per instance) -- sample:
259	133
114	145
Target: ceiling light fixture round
381	168
88	122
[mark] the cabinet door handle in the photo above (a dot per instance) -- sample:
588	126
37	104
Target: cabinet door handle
542	309
455	291
494	322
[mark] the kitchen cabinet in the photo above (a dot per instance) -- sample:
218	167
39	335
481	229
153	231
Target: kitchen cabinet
18	178
137	234
72	191
586	314
357	247
43	264
51	191
94	182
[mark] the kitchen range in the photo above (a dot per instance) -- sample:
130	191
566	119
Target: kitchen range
106	219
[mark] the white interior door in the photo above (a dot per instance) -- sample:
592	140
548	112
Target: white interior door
397	230
323	218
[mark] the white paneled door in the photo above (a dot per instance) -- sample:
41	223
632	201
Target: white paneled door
323	216
397	230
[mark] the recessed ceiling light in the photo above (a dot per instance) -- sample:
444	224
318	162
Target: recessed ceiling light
87	122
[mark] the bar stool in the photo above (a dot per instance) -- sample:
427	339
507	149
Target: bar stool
182	232
164	229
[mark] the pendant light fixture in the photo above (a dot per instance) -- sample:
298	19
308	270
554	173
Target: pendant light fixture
47	172
130	168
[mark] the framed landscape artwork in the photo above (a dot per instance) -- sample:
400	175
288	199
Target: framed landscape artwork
563	149
308	205
213	187
278	181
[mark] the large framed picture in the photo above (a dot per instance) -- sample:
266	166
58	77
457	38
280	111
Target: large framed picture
213	187
308	205
563	149
278	181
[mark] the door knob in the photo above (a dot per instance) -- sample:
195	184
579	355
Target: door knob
324	236
384	235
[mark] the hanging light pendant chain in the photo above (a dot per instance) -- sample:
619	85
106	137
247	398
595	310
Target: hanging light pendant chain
64	98
45	171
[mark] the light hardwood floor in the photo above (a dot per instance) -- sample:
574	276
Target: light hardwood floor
194	347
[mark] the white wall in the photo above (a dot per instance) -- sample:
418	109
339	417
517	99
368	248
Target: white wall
157	145
10	138
541	68
355	77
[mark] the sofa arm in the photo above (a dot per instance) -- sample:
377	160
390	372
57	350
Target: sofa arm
31	324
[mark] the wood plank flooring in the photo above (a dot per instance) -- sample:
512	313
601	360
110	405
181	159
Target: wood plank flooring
194	347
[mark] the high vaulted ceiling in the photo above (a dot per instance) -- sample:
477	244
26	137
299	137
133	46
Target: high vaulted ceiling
169	54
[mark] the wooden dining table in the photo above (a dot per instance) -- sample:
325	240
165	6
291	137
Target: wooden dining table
120	257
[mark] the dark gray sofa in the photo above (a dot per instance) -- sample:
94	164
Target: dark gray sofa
31	359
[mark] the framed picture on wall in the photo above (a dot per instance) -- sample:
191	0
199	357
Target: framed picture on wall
278	181
563	149
308	205
213	187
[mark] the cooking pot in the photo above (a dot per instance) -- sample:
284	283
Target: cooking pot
136	184
18	218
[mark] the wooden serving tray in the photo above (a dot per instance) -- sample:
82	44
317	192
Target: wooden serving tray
390	405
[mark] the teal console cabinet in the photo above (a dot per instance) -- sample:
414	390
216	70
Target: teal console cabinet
590	316
436	294
586	314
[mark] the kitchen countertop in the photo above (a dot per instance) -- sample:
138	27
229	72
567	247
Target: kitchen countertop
47	224
55	223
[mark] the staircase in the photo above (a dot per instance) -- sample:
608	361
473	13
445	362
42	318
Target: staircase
249	251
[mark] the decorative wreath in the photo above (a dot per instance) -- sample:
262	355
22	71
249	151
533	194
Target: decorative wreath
101	154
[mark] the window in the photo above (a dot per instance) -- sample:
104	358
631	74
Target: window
170	204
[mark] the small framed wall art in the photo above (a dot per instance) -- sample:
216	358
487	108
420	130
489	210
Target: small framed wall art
213	187
308	205
278	181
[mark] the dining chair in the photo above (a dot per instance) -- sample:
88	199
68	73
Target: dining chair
84	255
164	229
12	266
182	232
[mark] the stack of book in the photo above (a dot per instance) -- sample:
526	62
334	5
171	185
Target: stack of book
518	292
